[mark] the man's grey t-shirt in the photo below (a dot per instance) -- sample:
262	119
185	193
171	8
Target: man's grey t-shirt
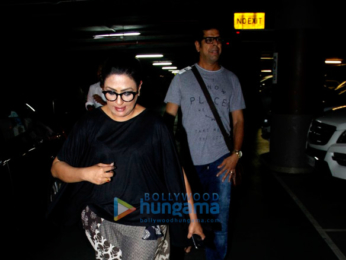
205	139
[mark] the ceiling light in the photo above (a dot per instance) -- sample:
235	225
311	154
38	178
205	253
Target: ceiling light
336	108
266	58
266	77
333	61
169	68
30	107
341	85
149	56
162	63
269	71
116	35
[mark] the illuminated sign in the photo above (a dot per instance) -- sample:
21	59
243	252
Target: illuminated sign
249	21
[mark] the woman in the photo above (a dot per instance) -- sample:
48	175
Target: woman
122	153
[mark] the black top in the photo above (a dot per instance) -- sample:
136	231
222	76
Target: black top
143	151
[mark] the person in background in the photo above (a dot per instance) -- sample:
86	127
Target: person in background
95	97
214	163
123	151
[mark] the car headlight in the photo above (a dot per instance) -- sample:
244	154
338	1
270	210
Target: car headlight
342	138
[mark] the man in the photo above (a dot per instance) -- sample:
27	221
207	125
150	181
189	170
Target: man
95	97
214	163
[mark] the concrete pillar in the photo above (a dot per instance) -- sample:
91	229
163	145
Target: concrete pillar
299	80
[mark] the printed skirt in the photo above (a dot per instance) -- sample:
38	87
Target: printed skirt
114	241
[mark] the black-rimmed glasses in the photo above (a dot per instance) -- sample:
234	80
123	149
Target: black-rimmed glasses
210	40
127	96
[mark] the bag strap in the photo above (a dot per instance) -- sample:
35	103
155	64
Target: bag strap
213	108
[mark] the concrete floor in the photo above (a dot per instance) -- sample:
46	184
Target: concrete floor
274	216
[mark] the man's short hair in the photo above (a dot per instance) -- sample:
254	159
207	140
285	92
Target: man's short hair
199	33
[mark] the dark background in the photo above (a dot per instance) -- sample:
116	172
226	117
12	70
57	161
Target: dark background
48	54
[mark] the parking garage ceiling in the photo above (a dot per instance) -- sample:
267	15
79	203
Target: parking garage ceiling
165	26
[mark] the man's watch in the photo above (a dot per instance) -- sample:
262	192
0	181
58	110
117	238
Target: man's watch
239	153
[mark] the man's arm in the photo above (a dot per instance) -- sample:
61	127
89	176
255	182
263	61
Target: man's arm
99	99
170	114
228	165
238	128
89	104
172	109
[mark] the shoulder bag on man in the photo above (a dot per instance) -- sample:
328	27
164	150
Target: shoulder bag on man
236	178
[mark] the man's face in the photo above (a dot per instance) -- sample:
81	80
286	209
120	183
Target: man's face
209	52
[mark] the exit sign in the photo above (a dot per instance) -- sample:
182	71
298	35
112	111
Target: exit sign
249	21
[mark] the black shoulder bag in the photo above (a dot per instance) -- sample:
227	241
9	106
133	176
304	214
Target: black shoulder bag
236	177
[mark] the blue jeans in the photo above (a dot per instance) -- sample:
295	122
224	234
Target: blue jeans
212	184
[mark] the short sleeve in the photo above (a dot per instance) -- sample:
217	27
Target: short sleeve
237	99
174	94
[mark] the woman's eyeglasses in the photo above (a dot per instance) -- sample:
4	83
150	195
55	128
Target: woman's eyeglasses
127	96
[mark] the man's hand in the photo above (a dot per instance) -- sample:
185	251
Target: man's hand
228	168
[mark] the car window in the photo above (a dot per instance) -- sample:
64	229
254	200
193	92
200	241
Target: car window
17	124
11	126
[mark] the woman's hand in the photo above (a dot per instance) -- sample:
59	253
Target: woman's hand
194	228
99	173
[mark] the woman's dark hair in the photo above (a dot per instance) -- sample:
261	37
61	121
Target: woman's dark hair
121	65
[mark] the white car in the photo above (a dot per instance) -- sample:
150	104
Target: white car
326	141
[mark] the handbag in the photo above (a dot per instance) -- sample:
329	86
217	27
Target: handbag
237	177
